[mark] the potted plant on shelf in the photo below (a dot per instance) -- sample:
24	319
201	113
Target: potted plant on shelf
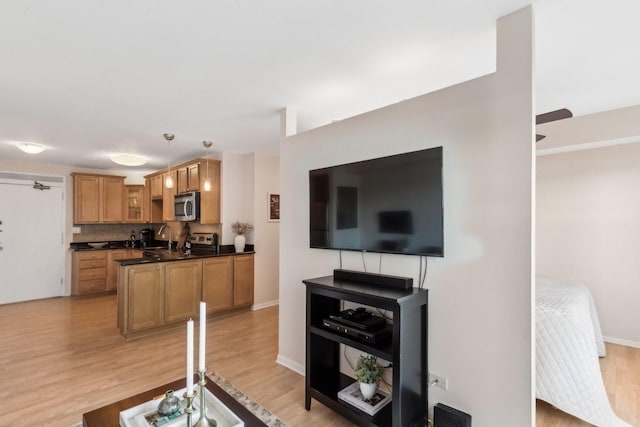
240	228
368	374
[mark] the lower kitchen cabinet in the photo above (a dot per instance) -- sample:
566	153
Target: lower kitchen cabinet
243	280
142	298
217	284
182	284
89	273
160	295
112	267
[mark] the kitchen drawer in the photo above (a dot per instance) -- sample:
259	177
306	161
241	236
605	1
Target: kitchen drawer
91	255
87	286
92	273
92	263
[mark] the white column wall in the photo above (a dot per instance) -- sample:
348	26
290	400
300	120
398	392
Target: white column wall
480	309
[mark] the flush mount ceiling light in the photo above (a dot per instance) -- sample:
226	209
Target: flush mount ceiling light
128	159
30	147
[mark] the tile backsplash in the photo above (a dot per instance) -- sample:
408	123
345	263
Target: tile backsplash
112	232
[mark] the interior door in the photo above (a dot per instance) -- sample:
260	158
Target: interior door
32	254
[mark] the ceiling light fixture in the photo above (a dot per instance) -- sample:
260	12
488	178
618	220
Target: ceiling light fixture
207	181
168	181
128	159
30	147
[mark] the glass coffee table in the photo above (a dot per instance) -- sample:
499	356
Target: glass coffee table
109	416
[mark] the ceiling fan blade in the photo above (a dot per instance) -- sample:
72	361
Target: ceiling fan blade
540	137
552	116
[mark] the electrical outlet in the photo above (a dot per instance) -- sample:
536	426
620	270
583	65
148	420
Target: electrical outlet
438	381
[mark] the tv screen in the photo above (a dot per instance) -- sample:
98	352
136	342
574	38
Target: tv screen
390	204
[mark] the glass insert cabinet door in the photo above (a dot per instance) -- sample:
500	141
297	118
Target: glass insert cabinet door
134	203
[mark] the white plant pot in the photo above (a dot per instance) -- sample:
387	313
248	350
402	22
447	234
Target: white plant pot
239	242
368	390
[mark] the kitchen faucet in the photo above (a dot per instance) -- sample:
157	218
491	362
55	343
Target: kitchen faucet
170	233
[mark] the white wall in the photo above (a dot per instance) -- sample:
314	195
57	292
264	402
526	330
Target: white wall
266	169
236	194
481	292
588	230
246	180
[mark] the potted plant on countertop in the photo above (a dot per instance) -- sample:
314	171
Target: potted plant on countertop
240	228
368	374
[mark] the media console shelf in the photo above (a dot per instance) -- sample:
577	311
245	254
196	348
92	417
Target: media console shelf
407	350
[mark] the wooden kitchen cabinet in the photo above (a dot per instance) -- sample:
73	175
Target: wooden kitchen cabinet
189	178
140	298
182	290
112	267
97	198
134	203
217	284
156	185
89	272
243	280
210	200
161	295
168	209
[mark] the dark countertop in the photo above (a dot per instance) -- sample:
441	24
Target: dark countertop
160	253
163	255
119	244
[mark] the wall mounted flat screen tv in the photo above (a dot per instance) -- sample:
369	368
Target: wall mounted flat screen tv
389	205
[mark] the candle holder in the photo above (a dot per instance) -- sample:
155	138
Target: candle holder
204	421
189	409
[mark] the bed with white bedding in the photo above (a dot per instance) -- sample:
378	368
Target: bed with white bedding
568	344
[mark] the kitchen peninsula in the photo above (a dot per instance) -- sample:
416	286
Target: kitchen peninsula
164	288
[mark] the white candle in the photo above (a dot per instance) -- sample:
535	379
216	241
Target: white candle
190	358
203	335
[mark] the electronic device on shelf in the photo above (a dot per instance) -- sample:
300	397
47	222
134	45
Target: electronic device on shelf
360	324
371	337
359	318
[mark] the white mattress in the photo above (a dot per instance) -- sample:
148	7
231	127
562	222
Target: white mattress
568	343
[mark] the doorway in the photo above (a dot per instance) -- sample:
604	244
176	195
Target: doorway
32	254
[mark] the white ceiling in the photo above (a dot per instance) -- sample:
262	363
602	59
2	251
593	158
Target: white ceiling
89	78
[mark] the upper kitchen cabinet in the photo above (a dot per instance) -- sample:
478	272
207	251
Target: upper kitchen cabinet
97	198
189	178
134	203
210	200
156	185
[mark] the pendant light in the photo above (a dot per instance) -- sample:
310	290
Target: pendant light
168	182
207	181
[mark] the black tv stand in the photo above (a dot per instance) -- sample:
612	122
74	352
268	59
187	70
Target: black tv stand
323	378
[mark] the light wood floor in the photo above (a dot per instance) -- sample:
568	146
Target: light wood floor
62	357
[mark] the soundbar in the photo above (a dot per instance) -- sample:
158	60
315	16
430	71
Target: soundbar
396	282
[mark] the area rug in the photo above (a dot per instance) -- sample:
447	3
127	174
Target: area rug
254	407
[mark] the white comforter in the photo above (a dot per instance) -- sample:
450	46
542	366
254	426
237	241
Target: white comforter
568	343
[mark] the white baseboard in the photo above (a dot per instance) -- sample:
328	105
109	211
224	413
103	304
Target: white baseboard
618	341
290	364
265	305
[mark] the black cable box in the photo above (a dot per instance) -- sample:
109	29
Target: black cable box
360	318
370	337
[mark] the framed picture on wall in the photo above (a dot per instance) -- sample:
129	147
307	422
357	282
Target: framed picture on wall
274	207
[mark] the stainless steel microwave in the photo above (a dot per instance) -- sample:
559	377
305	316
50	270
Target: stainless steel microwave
187	206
